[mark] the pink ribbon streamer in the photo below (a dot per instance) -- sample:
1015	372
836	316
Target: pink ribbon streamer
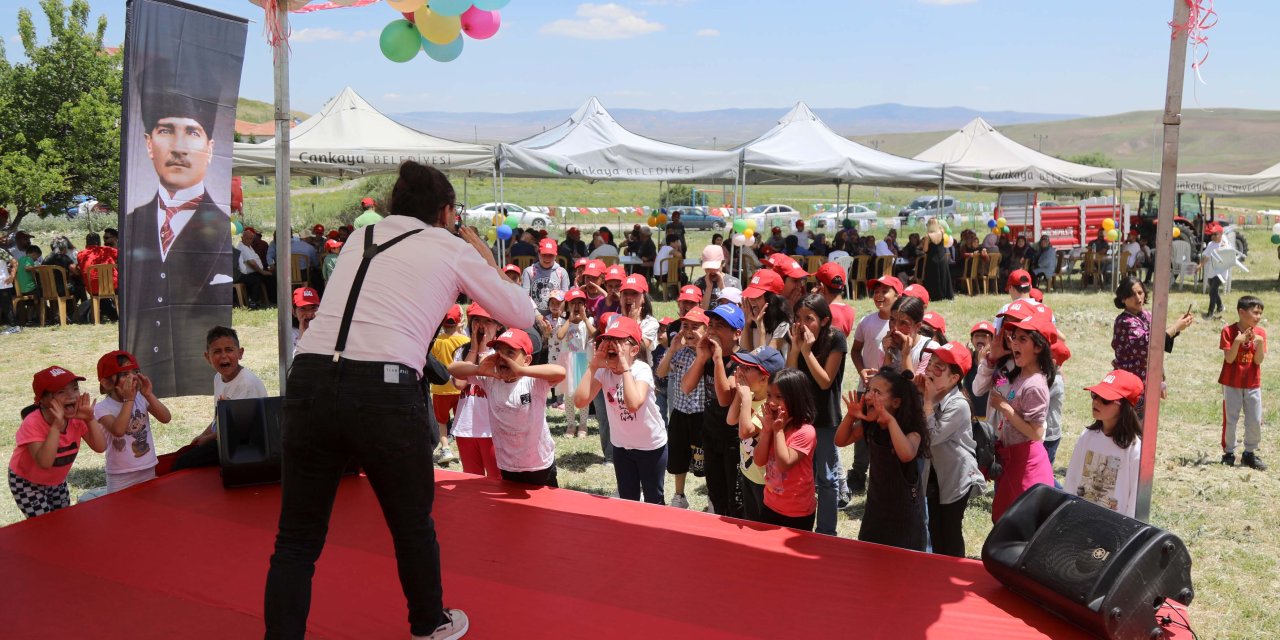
1200	18
324	6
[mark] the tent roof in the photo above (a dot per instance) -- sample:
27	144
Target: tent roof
980	158
802	149
591	145
350	136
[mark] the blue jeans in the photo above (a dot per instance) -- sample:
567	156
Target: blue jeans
638	471
826	475
602	419
335	412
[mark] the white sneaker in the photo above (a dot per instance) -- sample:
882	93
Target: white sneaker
446	455
456	627
680	502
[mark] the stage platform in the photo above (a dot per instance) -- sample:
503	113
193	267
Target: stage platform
180	557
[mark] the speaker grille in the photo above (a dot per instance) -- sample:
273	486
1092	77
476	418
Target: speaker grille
1075	547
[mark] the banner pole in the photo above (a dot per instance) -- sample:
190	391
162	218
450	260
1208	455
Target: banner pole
284	262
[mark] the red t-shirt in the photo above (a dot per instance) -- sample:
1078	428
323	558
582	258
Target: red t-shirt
1244	373
91	256
35	429
791	492
843	317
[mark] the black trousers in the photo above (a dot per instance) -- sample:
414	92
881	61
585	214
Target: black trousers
544	478
946	523
1215	298
803	523
720	446
335	412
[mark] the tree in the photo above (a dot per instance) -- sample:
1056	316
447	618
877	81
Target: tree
676	194
59	114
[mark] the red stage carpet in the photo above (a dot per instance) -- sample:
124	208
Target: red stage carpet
182	558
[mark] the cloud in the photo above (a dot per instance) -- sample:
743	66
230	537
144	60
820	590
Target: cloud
325	34
391	96
707	33
602	22
946	3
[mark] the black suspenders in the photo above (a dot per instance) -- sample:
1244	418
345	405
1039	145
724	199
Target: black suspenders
370	251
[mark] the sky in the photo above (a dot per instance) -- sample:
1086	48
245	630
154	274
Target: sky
1090	57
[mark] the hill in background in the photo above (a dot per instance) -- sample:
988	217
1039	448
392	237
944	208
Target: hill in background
258	111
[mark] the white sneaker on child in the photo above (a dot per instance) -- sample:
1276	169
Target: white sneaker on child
456	627
446	455
680	502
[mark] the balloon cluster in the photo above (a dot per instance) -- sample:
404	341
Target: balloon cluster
503	227
658	220
999	225
1275	233
436	27
1109	230
744	228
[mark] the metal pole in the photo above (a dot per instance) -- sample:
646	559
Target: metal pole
1163	249
284	262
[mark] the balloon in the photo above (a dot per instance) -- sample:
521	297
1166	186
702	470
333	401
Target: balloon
748	232
512	221
1275	229
497	219
490	5
1108	224
435	27
653	221
1004	222
1004	230
739	240
407	6
991	224
1177	233
1112	235
1275	238
751	224
450	7
399	41
443	52
846	224
739	225
504	232
492	235
947	241
480	24
238	226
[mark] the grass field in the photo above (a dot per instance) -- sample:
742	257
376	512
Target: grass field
1227	516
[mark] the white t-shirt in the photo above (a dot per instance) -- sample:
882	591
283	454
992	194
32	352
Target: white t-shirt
136	449
642	430
871	331
245	253
837	254
649	326
518	418
471	418
1103	473
4	272
882	249
803	238
660	262
246	384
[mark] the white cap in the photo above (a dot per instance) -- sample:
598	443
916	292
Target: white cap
732	294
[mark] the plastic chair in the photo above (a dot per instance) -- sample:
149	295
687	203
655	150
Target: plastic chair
297	275
21	297
1090	270
992	278
50	277
671	281
105	275
971	278
523	261
846	264
1056	278
860	271
884	266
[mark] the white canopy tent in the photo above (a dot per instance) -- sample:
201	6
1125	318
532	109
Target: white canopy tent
802	149
1262	183
979	158
591	145
350	137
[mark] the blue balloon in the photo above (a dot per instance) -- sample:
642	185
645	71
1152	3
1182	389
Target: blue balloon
490	5
443	52
504	232
450	7
991	224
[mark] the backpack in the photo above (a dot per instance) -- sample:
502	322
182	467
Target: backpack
984	438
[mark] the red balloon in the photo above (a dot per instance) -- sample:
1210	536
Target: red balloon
408	15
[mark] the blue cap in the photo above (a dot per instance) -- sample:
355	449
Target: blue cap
731	314
766	358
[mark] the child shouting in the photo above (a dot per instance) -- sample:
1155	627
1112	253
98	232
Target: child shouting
48	441
123	413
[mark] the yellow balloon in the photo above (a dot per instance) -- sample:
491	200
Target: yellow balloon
748	232
1002	222
492	235
751	224
653	221
1108	224
1112	235
407	6
436	28
1177	233
497	219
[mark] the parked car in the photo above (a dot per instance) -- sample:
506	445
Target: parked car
768	216
832	219
697	218
483	215
925	208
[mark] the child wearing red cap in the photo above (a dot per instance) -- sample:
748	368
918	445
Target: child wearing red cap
637	305
768	313
332	247
1104	464
472	431
637	431
123	414
49	439
832	279
574	334
1213	275
951	470
444	397
684	427
517	392
981	334
867	353
306	301
544	276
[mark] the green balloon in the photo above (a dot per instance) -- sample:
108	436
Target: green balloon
1275	238
739	225
239	227
1004	230
400	41
512	221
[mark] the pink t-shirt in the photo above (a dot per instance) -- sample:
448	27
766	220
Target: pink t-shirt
518	418
791	492
35	429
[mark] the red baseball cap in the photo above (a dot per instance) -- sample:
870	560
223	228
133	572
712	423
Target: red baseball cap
623	328
516	339
1037	295
635	283
318	229
573	231
333	234
109	364
1018	278
547	247
574	294
886	281
697	315
935	320
474	310
305	297
831	275
954	353
982	326
1060	352
511	268
1119	384
367	202
52	380
775	260
580	262
1019	310
255	231
616	272
453	315
917	291
594	269
762	281
331	244
690	293
1035	322
789	268
666	320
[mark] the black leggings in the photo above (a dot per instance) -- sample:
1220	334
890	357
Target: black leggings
946	522
1215	299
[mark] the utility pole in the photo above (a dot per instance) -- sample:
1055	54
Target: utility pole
1040	138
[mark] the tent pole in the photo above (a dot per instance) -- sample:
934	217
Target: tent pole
284	297
1163	249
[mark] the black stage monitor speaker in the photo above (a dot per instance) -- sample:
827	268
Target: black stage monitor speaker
249	440
1091	566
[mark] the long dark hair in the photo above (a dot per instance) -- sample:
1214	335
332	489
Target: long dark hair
1125	289
1128	426
823	342
910	413
910	306
776	313
420	192
1044	359
793	386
